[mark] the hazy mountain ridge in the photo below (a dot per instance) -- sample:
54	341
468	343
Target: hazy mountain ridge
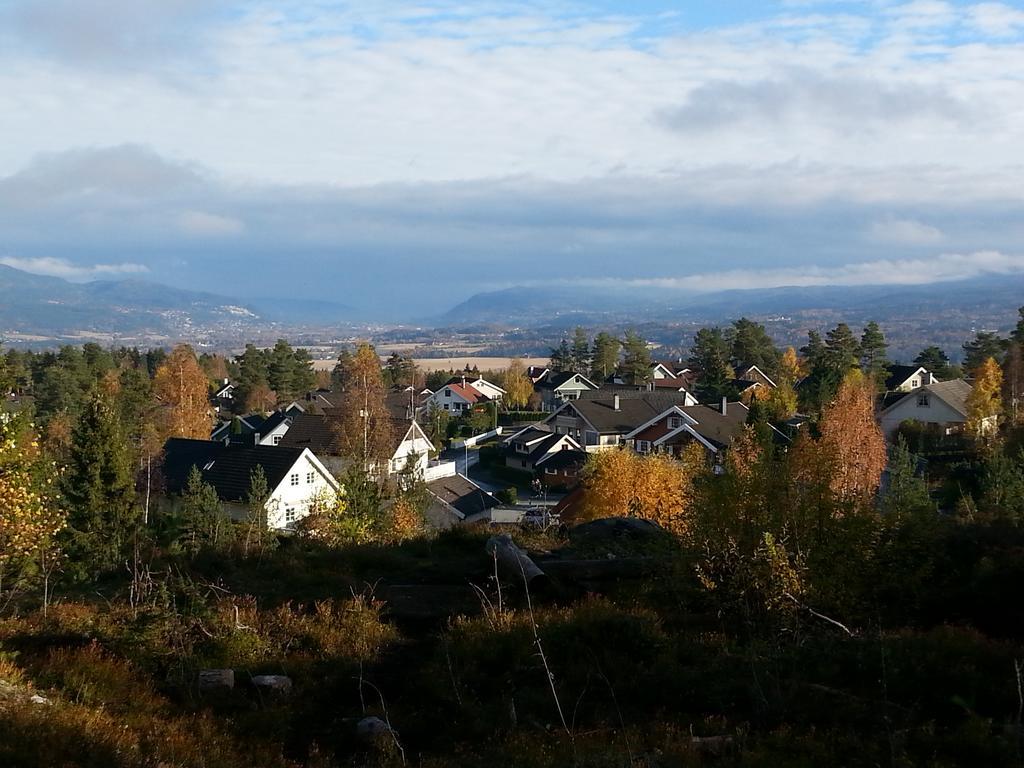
535	306
50	306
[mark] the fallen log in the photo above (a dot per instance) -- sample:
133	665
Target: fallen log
514	561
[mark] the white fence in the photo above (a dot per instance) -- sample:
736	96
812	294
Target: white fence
469	442
438	469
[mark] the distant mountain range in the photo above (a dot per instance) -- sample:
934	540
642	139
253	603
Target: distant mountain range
53	308
541	306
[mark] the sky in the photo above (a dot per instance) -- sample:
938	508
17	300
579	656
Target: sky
398	157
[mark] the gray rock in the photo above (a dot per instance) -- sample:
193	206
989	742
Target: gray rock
216	679
373	729
279	684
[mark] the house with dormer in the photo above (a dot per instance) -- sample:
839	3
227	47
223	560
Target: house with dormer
556	388
672	430
295	477
907	378
941	406
600	420
457	397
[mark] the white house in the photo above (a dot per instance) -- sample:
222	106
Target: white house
555	388
907	378
942	405
295	477
455	397
255	429
486	388
412	453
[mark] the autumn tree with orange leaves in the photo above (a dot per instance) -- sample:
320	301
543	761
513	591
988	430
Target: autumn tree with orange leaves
852	442
984	403
365	427
181	389
30	518
654	487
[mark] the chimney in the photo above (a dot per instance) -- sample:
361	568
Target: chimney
615	403
725	406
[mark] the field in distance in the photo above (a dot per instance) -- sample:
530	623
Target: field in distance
428	364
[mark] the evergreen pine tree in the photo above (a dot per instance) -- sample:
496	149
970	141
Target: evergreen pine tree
281	370
983	346
604	356
750	344
636	362
872	352
906	492
710	355
98	489
580	352
814	350
935	361
841	349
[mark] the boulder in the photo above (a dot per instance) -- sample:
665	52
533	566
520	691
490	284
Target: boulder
279	684
216	679
373	730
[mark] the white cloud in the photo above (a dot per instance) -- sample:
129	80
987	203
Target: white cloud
202	224
996	19
350	94
905	232
79	273
939	269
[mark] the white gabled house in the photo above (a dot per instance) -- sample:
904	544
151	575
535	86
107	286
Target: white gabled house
907	378
412	453
455	397
295	477
941	406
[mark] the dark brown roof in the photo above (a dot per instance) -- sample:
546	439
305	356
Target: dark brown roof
462	494
313	431
718	429
633	410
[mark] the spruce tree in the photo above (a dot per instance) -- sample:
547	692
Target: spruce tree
935	361
841	349
906	492
636	362
99	491
873	360
751	345
604	356
983	346
580	353
710	355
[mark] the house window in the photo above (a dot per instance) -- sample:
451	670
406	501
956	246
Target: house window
674	422
447	393
549	471
294	479
290	515
521	448
310	477
277	439
922	401
915	383
446	406
643	446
